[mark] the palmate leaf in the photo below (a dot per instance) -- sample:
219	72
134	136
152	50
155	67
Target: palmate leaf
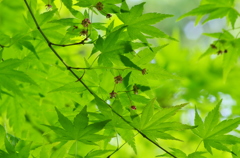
213	133
180	154
15	148
9	76
214	10
154	125
111	48
97	153
139	24
79	130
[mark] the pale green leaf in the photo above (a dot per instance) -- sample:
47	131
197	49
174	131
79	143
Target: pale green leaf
212	118
224	127
201	10
128	136
200	130
197	154
147	113
232	16
163	115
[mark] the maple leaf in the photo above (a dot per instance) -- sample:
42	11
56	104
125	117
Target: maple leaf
213	132
139	24
79	130
156	125
214	10
9	76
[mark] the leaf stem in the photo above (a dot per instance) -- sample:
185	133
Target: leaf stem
198	145
79	79
118	148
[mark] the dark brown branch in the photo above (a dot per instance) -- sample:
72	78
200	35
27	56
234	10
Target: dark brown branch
79	79
72	44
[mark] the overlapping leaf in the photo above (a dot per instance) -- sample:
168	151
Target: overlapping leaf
180	154
9	76
139	24
156	125
79	130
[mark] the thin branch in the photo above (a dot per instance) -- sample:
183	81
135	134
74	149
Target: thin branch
89	68
54	51
74	74
72	44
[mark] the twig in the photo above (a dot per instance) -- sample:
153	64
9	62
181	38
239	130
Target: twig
89	68
72	44
69	68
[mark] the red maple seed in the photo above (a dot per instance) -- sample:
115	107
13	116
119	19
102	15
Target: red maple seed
135	89
144	71
75	27
86	22
113	94
99	6
49	6
84	32
213	46
108	16
219	52
118	79
133	107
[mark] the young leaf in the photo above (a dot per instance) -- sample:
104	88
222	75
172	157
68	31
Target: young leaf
128	136
213	133
212	118
214	10
147	113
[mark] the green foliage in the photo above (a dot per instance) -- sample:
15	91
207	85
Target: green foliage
213	133
86	79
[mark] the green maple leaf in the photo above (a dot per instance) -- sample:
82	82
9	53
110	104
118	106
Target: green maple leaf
9	76
230	43
15	147
180	154
79	130
214	133
111	48
214	10
155	125
139	24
